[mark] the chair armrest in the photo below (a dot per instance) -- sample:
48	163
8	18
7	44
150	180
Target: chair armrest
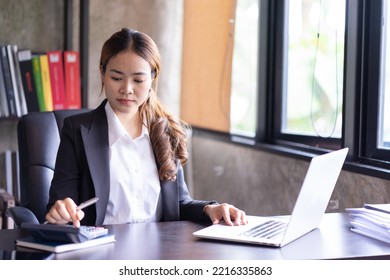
21	215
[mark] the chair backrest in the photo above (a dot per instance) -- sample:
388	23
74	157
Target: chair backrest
38	141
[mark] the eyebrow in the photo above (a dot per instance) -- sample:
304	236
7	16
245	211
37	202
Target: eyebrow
121	73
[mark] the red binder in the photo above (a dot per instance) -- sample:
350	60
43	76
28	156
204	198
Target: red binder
72	79
56	69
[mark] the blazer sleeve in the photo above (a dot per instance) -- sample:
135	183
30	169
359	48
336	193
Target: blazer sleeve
65	179
70	169
190	209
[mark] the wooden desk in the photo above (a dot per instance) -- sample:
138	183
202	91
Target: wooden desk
174	241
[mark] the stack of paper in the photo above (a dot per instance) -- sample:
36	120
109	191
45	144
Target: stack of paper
372	220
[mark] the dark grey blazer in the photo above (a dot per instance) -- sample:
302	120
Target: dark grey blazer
82	172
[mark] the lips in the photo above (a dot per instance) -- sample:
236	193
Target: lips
125	101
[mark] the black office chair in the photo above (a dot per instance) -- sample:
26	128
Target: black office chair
38	141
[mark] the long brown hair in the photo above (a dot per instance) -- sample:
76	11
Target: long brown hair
167	133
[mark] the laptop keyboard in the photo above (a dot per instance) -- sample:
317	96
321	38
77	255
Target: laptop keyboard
269	229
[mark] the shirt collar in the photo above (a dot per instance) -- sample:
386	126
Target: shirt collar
115	127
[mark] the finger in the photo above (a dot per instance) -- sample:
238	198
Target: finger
76	223
215	220
63	210
225	208
79	216
244	219
236	216
215	216
213	213
73	213
55	217
239	217
60	212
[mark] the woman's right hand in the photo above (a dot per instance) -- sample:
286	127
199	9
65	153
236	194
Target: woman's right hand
63	212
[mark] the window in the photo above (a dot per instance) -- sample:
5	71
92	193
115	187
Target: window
244	69
329	83
374	134
306	76
312	99
384	112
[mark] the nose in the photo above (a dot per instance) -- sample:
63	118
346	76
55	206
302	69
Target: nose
127	88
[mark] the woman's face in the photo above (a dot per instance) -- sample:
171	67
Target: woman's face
127	82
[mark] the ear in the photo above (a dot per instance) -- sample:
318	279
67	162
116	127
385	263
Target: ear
153	74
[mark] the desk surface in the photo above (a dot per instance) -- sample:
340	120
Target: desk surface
174	240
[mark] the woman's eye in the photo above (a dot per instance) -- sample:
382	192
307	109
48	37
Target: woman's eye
138	81
116	78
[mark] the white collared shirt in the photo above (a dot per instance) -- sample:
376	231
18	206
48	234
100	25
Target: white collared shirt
134	182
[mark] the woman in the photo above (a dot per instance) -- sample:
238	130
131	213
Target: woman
129	151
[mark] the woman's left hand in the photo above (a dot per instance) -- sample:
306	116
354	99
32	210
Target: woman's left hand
226	212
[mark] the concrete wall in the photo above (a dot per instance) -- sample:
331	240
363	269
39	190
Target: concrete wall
39	25
160	19
36	24
263	183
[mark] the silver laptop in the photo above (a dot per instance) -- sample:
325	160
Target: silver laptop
309	208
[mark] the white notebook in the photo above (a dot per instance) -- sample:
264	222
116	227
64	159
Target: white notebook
58	247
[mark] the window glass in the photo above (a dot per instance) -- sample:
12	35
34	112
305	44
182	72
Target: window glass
244	68
312	101
384	115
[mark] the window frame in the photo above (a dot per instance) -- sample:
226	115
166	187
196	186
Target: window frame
360	113
371	77
361	80
277	86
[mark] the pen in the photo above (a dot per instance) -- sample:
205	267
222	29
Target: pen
83	205
87	203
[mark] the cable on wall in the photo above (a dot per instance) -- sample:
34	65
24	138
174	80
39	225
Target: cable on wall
313	82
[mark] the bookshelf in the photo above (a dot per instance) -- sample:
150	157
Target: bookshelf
23	16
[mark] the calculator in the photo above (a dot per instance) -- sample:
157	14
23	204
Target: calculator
64	233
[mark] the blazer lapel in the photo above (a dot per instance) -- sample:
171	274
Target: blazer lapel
95	140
